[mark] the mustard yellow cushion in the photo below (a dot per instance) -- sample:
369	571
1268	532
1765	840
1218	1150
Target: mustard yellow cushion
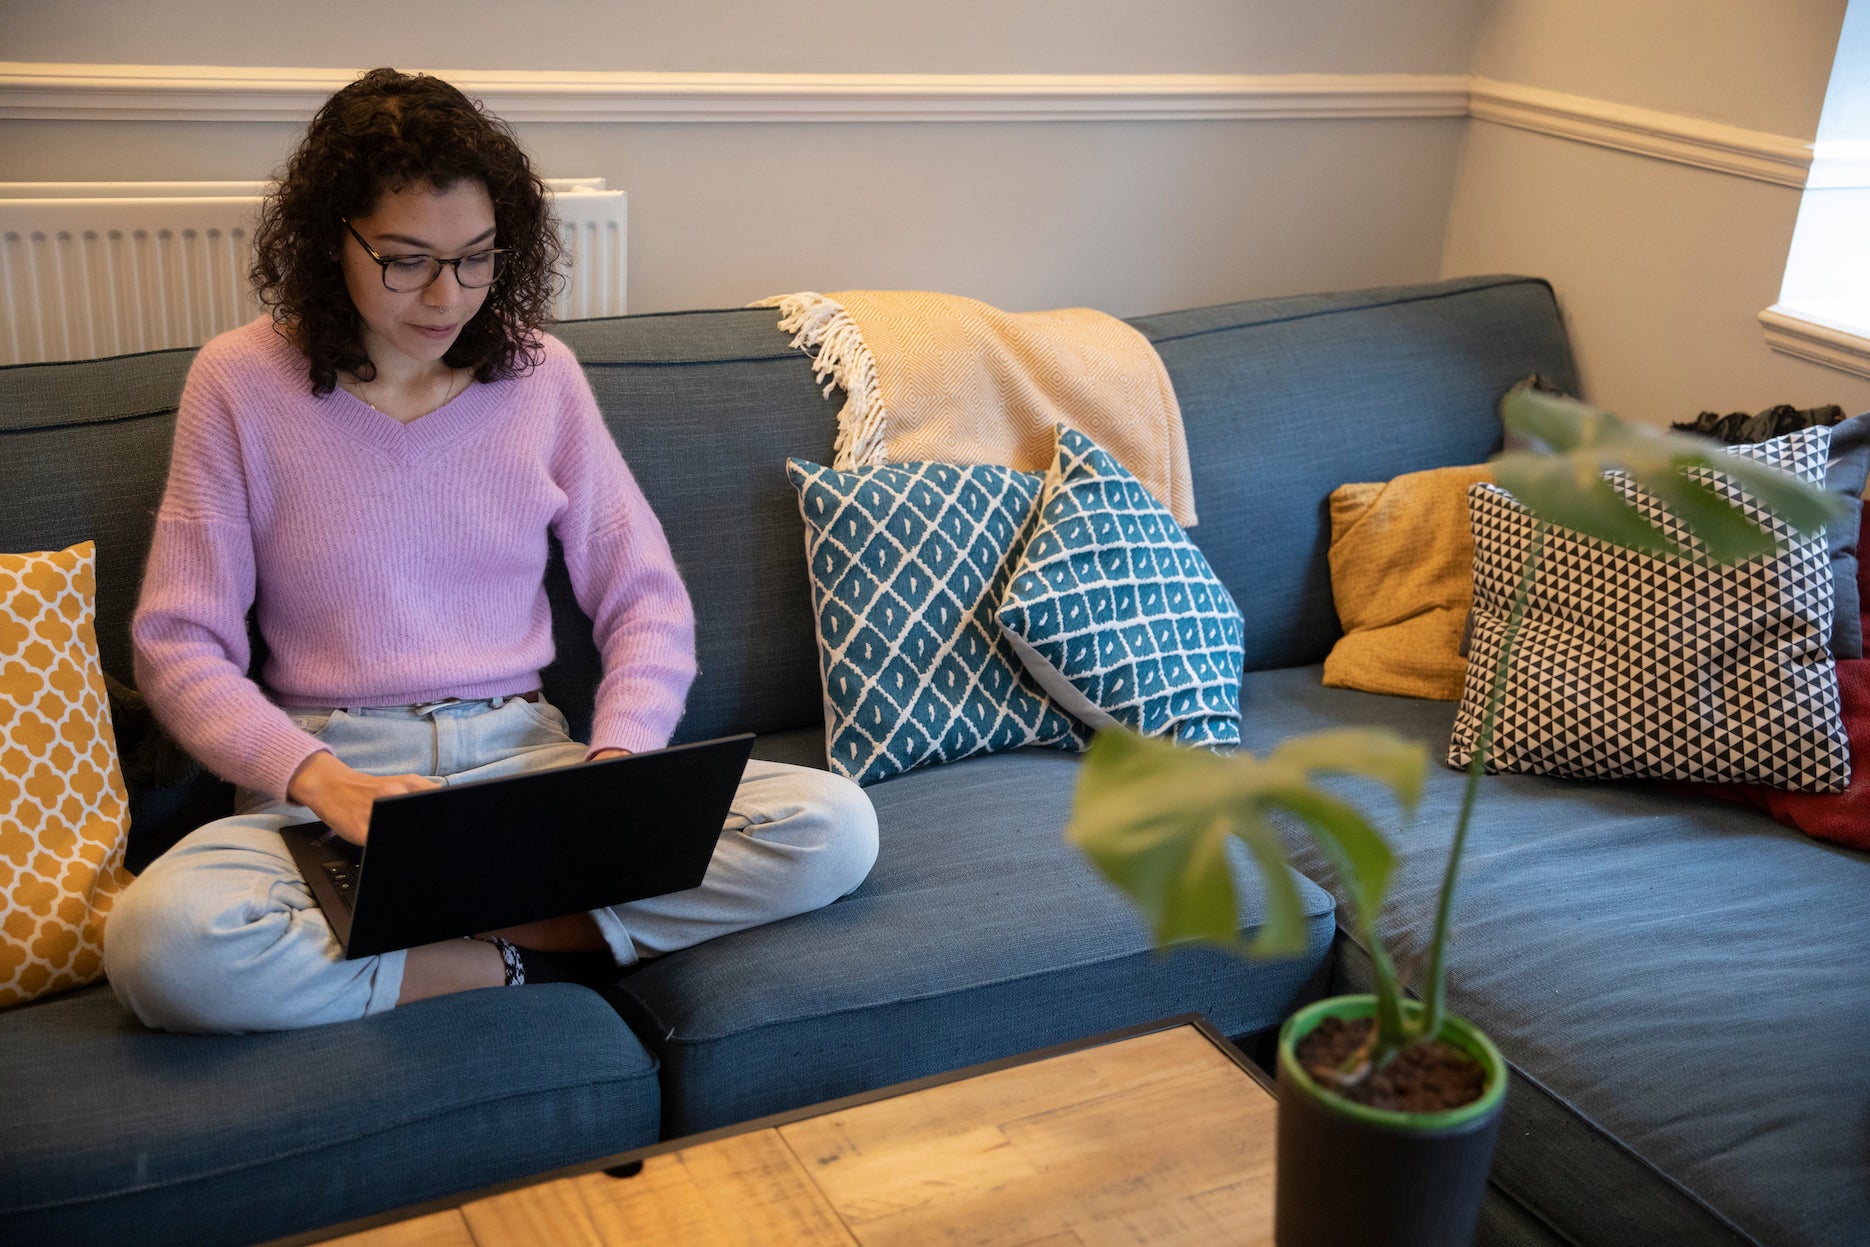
1402	572
63	809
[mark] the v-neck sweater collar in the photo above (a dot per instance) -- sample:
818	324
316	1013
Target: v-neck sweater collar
472	408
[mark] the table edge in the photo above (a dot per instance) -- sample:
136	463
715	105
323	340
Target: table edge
409	1212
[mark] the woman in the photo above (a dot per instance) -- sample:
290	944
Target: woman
376	466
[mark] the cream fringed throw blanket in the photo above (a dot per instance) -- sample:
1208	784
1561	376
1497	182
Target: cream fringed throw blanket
935	376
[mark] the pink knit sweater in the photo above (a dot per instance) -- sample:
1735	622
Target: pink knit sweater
393	563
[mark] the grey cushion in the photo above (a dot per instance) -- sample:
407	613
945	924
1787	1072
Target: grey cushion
117	1134
979	934
1678	984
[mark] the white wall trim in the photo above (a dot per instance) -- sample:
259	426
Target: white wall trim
52	92
1774	158
56	92
1816	338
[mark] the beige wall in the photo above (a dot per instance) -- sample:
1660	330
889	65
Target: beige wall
1661	269
1761	64
1129	216
875	36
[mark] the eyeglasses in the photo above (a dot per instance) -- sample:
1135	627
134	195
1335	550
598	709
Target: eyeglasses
406	274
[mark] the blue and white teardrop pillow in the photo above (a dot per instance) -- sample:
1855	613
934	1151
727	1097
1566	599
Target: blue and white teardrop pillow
1117	613
908	563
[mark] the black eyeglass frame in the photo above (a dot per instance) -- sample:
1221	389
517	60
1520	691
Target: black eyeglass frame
383	263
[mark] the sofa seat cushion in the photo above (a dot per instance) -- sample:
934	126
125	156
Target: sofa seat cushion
1677	983
979	934
119	1134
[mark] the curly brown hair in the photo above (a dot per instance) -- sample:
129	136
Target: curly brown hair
383	133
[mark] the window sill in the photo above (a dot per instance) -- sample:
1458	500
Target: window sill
1835	336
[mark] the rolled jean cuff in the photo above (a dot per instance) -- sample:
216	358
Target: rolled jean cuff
386	985
616	936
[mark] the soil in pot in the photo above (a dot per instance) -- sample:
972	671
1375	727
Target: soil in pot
1422	1078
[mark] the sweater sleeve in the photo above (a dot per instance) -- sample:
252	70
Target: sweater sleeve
624	577
190	627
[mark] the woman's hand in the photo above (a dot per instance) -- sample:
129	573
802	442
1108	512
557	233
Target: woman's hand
601	754
342	797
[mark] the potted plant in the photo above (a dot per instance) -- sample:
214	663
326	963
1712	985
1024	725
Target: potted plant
1359	1160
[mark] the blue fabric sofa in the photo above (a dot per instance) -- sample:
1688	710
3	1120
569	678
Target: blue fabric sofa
1675	982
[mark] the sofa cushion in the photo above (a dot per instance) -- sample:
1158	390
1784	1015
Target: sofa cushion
1114	611
1676	982
979	934
119	1134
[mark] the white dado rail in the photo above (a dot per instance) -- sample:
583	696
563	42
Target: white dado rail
35	90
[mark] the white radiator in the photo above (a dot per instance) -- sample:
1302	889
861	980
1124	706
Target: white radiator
107	268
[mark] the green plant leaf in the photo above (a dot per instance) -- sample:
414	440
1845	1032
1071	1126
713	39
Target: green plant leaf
1170	859
1401	765
1572	493
1282	927
1358	854
1566	487
1154	818
1362	860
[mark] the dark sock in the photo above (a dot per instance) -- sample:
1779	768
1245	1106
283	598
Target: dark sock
529	965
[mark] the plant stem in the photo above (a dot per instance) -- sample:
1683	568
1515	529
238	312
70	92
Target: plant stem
1436	986
1390	1034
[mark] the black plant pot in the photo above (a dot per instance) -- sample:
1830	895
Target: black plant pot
1351	1176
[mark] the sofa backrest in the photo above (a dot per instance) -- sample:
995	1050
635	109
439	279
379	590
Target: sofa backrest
1284	399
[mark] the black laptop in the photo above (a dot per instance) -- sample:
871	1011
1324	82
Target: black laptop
474	857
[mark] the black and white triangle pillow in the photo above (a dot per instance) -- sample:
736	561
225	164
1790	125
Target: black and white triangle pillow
1632	665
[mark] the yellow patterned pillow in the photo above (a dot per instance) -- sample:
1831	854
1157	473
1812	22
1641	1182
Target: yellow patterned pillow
1402	573
63	808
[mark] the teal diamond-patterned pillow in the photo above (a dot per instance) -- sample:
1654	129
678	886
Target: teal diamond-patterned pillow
1117	614
908	562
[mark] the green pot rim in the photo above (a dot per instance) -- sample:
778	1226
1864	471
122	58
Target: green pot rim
1460	1032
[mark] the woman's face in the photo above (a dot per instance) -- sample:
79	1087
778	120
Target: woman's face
418	220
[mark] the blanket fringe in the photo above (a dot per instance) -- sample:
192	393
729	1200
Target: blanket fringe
823	329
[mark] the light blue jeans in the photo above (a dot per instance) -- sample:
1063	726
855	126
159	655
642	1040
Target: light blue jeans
221	934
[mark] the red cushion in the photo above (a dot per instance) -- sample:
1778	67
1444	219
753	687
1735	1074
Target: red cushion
1840	816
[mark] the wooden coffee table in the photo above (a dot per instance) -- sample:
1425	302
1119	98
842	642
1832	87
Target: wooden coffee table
1161	1134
